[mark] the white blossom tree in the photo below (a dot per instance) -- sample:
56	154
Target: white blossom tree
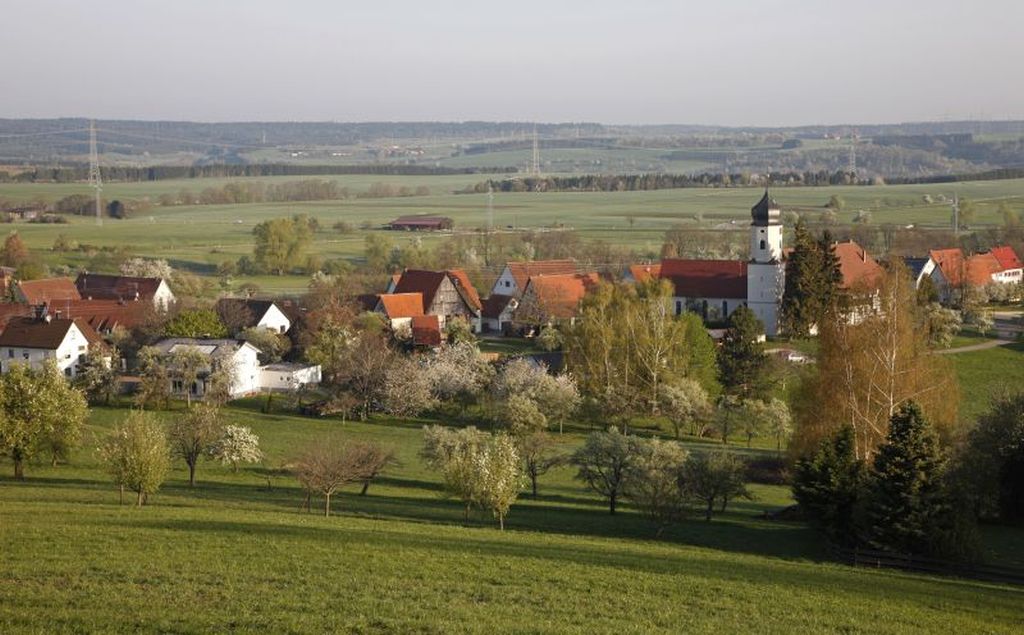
147	268
685	402
238	444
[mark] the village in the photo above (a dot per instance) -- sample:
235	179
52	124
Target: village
64	320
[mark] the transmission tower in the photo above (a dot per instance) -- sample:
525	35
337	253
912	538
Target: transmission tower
536	154
851	165
956	214
94	171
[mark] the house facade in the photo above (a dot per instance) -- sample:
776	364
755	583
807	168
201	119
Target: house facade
36	340
445	294
264	314
242	356
516	274
285	377
952	271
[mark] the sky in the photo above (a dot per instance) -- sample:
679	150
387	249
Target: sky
716	62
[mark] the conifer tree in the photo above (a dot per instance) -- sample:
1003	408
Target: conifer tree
827	485
908	508
742	361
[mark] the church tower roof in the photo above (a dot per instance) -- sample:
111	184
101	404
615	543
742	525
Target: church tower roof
766	212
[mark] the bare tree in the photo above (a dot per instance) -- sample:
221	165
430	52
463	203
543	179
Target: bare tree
539	456
326	467
194	435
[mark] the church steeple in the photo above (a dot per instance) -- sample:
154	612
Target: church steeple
766	212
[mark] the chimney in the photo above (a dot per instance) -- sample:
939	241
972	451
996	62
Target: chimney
41	312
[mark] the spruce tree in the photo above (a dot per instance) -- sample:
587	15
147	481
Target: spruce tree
800	309
742	361
828	484
908	509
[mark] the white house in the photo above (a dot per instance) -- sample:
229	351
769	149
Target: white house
497	313
241	355
34	340
285	377
515	275
264	314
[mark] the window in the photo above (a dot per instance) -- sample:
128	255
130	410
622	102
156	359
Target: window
67	371
10	353
679	307
763	244
508	284
725	308
24	354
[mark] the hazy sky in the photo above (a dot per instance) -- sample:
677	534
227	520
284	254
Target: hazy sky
738	62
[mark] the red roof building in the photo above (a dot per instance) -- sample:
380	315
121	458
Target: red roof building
426	331
643	273
446	294
516	274
718	279
421	223
47	290
549	298
400	305
859	269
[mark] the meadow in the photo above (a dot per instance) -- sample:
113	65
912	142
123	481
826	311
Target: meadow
236	554
200	237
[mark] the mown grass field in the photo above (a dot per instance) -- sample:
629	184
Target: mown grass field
235	555
200	237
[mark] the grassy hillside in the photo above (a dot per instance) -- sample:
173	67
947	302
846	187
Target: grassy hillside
234	554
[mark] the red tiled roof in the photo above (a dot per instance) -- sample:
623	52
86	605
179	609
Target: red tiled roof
856	265
401	305
428	282
106	287
643	273
104	315
559	296
468	291
32	332
426	330
955	268
706	278
48	290
522	270
1007	257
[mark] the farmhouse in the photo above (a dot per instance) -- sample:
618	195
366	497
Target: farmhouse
951	270
421	223
497	312
549	299
446	294
240	355
106	287
37	339
250	313
400	308
515	275
46	291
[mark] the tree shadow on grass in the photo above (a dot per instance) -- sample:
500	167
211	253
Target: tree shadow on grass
626	556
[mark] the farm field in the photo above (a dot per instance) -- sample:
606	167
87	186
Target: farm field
200	237
235	555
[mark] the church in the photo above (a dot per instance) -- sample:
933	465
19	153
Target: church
716	288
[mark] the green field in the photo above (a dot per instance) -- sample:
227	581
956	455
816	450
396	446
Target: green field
233	555
199	237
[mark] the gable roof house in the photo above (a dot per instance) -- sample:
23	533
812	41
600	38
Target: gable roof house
252	313
97	286
399	309
548	299
516	274
243	357
37	339
498	311
952	271
446	294
46	291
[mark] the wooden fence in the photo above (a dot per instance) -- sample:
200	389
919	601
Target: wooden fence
859	557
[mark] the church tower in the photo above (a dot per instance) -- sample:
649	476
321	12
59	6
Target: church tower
766	271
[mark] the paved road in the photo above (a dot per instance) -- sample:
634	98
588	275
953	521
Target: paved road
975	347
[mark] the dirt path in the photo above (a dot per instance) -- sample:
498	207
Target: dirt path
975	347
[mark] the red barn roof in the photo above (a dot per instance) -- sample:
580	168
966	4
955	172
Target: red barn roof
33	332
559	296
856	265
706	278
48	290
401	305
428	282
426	330
1007	257
106	287
522	270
